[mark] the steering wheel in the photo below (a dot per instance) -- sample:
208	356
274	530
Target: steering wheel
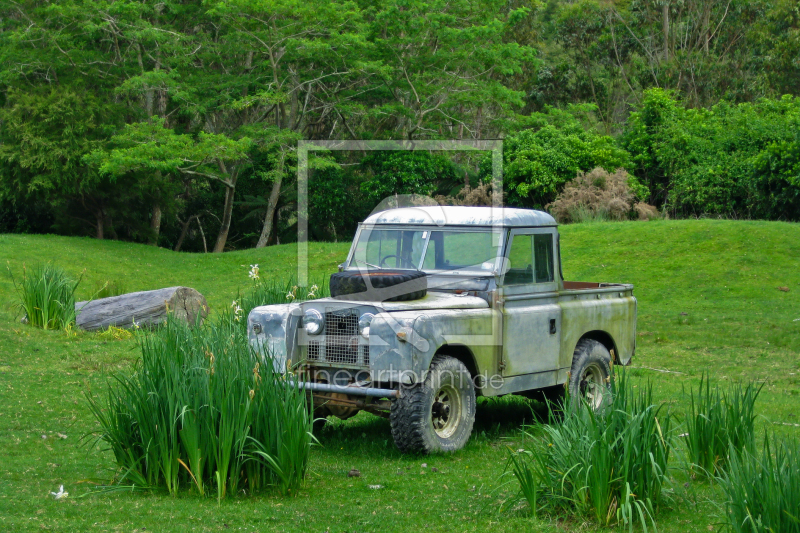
404	262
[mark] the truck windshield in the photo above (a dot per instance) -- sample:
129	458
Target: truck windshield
449	250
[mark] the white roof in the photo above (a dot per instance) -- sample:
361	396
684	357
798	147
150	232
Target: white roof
462	216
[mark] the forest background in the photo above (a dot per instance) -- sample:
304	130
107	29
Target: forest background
176	123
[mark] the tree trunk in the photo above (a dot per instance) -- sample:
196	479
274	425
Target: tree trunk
184	231
155	225
227	212
142	309
665	28
100	219
272	204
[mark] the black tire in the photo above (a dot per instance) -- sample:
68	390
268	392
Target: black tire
590	375
379	285
436	415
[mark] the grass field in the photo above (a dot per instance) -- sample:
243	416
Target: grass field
709	301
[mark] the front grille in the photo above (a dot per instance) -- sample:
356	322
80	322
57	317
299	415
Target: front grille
313	350
341	340
365	354
341	336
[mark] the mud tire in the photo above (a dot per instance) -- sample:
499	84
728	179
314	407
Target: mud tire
415	413
591	373
379	285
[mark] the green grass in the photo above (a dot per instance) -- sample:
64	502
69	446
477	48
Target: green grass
737	326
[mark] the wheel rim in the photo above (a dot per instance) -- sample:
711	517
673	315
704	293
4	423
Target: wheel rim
446	411
592	386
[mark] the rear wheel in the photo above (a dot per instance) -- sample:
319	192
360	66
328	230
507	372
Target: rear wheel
436	415
591	373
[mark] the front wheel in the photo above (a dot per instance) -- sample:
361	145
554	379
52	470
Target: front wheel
436	415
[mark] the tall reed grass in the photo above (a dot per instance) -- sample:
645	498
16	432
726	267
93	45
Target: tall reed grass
47	296
204	409
762	489
719	421
609	465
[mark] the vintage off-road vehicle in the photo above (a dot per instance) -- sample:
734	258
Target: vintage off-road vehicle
437	305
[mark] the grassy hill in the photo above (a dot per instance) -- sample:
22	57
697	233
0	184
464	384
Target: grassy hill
709	301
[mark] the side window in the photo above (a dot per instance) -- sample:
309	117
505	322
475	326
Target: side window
543	255
520	261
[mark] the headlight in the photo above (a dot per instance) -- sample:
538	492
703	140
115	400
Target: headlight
363	324
313	322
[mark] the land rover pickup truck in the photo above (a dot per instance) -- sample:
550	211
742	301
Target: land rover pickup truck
435	306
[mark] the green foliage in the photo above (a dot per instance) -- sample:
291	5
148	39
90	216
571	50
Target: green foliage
47	295
762	489
539	160
730	160
719	422
399	172
610	465
205	409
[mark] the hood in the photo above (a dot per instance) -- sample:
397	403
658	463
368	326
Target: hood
432	300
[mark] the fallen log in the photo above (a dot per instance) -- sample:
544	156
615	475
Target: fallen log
142	309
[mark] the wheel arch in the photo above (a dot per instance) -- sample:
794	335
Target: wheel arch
462	353
604	338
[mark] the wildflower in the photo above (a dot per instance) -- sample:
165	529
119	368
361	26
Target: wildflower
60	494
290	296
237	310
252	394
253	272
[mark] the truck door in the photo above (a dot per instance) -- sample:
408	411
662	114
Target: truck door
530	312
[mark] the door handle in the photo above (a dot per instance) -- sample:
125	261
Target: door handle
552	326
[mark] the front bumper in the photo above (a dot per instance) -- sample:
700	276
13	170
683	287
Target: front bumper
350	390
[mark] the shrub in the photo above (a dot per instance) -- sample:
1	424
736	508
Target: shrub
555	147
481	196
731	160
609	465
204	409
598	196
763	489
48	296
717	422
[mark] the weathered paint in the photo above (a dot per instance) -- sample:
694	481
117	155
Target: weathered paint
524	334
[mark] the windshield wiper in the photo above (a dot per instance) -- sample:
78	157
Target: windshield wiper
368	264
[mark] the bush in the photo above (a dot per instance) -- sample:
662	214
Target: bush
738	161
48	297
609	465
540	160
763	489
203	409
718	422
598	196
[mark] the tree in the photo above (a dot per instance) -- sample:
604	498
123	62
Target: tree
45	135
149	146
